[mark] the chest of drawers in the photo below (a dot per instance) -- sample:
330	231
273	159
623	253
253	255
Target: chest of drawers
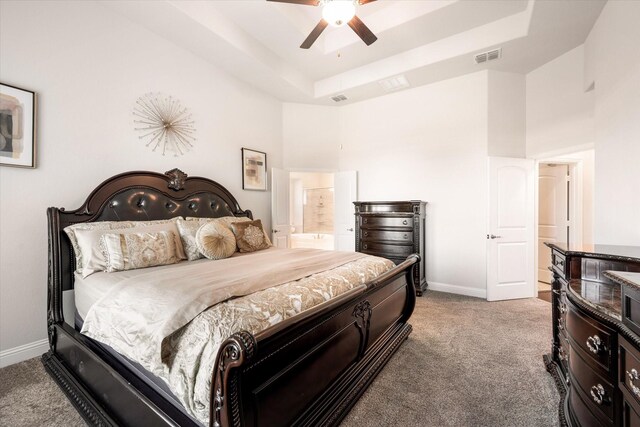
595	354
393	230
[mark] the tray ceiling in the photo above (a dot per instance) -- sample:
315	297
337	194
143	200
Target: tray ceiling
426	41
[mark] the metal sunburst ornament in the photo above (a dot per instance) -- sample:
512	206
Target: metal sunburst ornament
165	123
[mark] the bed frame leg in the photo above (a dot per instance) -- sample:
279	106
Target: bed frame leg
234	352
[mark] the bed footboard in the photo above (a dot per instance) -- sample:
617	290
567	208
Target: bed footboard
312	368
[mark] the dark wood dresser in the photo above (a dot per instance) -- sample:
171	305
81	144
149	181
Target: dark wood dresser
393	230
595	354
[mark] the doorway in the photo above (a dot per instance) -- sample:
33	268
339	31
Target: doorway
311	210
564	208
553	215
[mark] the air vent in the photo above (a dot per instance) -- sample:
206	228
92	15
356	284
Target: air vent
488	56
339	98
394	83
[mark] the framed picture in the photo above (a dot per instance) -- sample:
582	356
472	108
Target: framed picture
254	170
17	127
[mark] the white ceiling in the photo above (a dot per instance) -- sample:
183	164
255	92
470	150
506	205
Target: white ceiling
424	40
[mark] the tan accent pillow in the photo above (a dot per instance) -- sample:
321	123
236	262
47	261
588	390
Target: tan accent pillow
89	243
250	236
138	250
103	225
215	240
189	227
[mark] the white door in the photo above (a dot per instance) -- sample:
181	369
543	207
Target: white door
552	213
510	238
345	187
280	210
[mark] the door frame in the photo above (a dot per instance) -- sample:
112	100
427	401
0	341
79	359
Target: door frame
576	186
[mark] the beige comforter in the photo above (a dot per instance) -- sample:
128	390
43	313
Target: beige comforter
174	323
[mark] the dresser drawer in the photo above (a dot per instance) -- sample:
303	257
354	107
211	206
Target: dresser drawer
383	249
630	417
581	410
367	221
629	369
596	389
595	339
377	235
558	263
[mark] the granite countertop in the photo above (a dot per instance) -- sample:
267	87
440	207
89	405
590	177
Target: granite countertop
624	278
604	297
613	252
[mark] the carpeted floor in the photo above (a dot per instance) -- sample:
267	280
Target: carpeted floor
467	363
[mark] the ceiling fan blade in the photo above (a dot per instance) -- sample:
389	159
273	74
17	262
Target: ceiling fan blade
362	30
361	2
302	2
314	34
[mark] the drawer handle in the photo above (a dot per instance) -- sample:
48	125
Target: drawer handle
597	393
404	222
366	220
594	343
562	355
406	236
366	233
633	376
560	262
364	246
563	308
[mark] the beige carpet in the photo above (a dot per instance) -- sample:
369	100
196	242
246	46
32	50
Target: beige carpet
467	363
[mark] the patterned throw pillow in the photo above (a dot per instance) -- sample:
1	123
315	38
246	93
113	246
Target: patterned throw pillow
138	250
105	226
250	236
215	241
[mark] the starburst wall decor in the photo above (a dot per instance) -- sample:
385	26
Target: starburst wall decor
165	123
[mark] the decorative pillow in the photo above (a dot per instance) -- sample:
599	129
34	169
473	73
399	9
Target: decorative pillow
215	240
188	228
138	250
102	225
250	236
89	243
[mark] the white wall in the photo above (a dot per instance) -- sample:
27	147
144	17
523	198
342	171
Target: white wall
614	60
506	120
429	143
426	143
310	137
559	112
88	66
590	97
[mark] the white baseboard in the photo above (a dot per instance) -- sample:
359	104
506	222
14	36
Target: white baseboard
456	289
23	352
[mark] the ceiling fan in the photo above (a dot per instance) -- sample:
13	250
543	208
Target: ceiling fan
336	13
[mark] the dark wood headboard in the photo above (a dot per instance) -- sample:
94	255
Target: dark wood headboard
132	196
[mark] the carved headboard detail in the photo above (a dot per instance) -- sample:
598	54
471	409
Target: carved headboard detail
134	196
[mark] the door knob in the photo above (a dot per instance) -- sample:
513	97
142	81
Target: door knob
276	231
349	229
493	236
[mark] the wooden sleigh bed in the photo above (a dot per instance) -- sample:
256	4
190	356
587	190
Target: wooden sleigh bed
309	369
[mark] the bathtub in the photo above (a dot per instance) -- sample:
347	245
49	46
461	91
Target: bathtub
312	240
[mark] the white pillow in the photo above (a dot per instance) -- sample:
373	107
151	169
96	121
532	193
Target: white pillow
93	259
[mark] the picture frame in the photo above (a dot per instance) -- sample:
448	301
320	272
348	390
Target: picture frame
17	127
254	170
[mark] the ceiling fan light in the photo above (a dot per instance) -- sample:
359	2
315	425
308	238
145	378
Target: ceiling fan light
338	12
